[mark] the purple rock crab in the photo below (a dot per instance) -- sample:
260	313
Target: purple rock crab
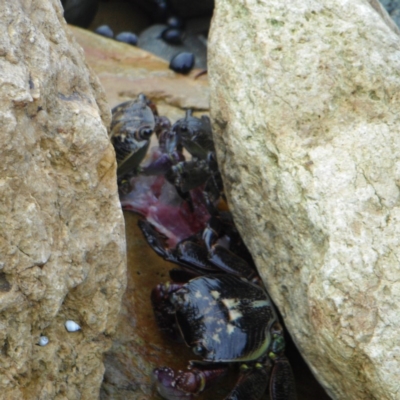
215	301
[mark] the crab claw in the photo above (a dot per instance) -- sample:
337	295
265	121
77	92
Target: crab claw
161	165
166	384
179	385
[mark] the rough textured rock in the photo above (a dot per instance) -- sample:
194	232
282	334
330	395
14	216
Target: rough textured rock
62	245
305	104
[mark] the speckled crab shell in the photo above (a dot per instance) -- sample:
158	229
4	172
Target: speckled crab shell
194	134
224	318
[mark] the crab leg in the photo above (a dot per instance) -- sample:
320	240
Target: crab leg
229	262
251	384
162	164
164	311
282	384
178	385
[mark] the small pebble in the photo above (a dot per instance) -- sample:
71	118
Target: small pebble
127	37
72	326
43	341
172	36
105	30
182	62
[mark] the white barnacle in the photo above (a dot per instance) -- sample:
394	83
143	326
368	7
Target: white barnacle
72	326
198	294
43	341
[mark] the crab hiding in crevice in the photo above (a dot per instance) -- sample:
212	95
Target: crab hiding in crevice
224	319
215	301
132	125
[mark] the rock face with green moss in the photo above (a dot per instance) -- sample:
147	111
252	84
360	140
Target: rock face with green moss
62	245
306	112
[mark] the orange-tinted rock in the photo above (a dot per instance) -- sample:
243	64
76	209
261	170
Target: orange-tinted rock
125	71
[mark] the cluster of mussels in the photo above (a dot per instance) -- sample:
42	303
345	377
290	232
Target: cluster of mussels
215	301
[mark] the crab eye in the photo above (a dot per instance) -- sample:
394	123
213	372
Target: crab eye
211	157
145	133
199	350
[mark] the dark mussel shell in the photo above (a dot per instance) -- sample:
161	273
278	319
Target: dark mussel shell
127	37
105	30
182	62
172	36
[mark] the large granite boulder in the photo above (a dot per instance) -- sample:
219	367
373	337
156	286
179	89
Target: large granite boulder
306	110
62	245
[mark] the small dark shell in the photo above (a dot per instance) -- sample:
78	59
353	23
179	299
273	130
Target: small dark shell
127	37
182	62
105	30
175	22
172	36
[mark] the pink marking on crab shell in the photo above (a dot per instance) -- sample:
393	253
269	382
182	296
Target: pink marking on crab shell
157	200
166	384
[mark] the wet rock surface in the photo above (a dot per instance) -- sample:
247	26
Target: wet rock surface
57	187
126	71
306	128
